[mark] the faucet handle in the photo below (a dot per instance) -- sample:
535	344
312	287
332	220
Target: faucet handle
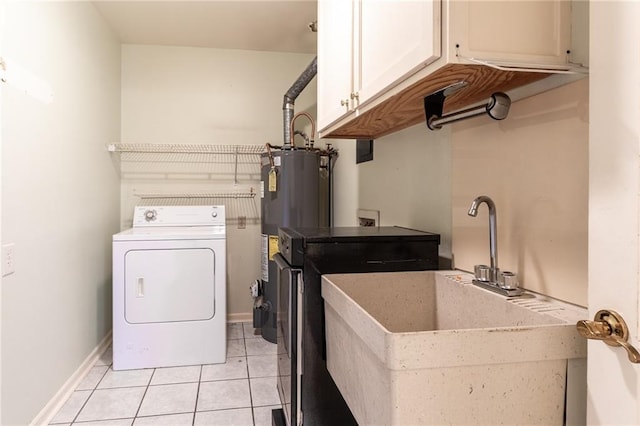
508	280
482	273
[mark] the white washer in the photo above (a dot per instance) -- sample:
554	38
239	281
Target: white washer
169	288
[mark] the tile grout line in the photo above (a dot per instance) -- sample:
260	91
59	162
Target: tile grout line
246	360
75	418
146	389
195	408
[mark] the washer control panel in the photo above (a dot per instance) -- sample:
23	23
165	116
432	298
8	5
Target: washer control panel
150	215
178	216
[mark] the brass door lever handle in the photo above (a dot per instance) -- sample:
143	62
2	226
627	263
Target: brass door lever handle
609	327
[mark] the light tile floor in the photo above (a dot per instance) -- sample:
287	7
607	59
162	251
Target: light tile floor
240	392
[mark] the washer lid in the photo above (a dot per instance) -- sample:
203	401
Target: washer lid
172	233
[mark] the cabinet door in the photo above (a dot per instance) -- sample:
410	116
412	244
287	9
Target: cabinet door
396	39
504	32
335	52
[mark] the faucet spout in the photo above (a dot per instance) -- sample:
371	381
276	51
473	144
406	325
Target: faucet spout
493	232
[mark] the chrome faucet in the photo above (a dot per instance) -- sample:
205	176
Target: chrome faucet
502	282
493	232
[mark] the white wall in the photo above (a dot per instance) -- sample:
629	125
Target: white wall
345	183
60	199
534	165
187	95
2	30
409	181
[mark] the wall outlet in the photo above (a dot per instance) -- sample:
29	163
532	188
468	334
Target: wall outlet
368	217
8	259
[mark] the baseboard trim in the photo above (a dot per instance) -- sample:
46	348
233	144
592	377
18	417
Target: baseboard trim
241	317
58	400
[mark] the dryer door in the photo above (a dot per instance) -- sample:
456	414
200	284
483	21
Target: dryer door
167	285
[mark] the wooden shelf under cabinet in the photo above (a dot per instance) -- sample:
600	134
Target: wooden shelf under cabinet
406	108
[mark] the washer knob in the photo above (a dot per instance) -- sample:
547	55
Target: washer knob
150	215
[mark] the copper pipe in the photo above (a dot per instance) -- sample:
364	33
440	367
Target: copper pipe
313	127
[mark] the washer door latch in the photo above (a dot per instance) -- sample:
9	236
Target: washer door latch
609	327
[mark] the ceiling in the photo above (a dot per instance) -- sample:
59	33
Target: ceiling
268	25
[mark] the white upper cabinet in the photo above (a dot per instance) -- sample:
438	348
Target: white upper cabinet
335	47
396	39
378	59
536	34
366	46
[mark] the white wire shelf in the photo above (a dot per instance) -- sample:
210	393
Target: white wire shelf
200	161
186	148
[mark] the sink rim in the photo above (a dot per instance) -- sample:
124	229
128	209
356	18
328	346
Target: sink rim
418	349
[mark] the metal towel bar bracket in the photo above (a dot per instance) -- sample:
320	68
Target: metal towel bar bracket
497	107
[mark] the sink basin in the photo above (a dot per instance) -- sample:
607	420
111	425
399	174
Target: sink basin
424	348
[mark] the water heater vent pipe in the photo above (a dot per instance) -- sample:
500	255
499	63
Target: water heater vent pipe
289	100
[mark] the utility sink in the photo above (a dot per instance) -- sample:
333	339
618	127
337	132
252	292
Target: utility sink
430	348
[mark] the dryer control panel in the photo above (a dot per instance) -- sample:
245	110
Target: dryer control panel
178	216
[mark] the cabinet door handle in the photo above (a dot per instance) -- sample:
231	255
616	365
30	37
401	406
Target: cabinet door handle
344	102
355	95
